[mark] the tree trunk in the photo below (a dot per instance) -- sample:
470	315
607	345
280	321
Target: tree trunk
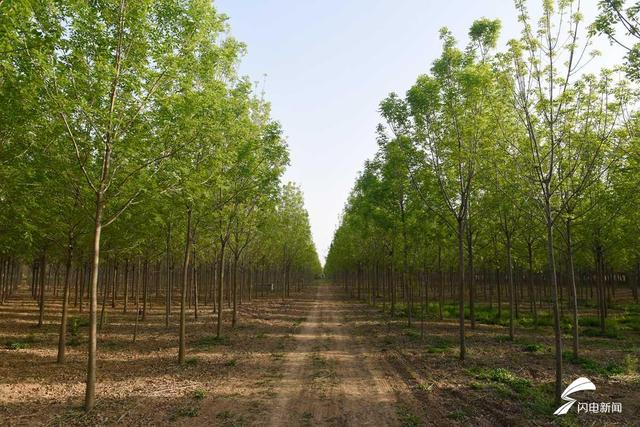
574	294
126	285
556	310
461	285
183	289
90	393
532	295
42	271
472	294
220	288
167	304
196	271
511	287
65	301
234	283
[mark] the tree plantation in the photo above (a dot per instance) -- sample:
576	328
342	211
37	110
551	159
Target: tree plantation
505	183
157	268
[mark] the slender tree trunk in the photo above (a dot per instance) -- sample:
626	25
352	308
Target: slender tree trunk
556	310
234	281
499	292
114	285
145	289
532	296
126	285
136	282
472	294
220	288
65	301
600	287
637	284
196	271
574	294
183	289
43	276
440	283
90	393
511	287
461	285
167	314
105	291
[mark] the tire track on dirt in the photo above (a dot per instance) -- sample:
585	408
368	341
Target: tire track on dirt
291	391
331	376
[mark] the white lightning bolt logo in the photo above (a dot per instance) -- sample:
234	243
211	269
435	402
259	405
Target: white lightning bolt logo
580	384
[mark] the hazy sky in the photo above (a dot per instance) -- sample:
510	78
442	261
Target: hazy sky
329	63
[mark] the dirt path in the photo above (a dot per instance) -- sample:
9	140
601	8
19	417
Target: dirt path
332	375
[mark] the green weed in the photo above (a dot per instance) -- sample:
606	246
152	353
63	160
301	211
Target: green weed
211	341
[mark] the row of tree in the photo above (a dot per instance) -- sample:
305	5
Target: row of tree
133	158
506	172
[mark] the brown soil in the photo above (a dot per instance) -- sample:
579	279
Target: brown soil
318	358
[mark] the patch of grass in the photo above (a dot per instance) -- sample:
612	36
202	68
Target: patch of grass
535	348
590	321
260	335
318	361
439	345
509	385
73	329
612	333
630	364
458	415
21	344
528	321
503	338
112	345
425	386
75	323
540	400
16	345
489	316
224	415
299	320
503	376
187	411
199	394
412	334
211	341
630	318
483	313
585	363
71	414
593	366
226	418
475	385
74	342
408	418
230	362
191	361
307	419
612	330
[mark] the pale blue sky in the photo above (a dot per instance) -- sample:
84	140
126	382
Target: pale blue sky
329	63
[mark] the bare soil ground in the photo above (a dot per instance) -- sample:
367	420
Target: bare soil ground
318	358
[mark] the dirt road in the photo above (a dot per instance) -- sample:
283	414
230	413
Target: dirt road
332	375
